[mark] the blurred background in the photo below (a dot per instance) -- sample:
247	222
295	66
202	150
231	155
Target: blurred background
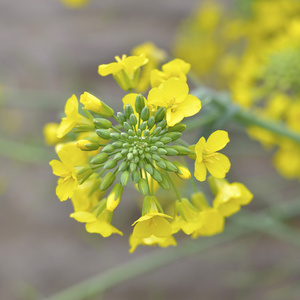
49	52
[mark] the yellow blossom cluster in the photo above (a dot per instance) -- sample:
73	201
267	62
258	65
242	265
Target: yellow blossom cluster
101	152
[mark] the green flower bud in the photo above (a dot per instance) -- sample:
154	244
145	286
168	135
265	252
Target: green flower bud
171	151
124	151
149	168
124	135
103	133
160	114
178	127
131	132
133	120
126	126
86	145
153	148
156	131
154	139
151	122
135	176
174	135
99	159
101	123
108	148
161	164
139	103
162	151
166	140
159	144
115	136
145	113
164	183
143	186
121	118
110	164
146	132
139	132
170	166
107	181
118	157
125	177
117	144
156	157
162	124
132	166
128	110
130	156
143	126
123	166
182	150
156	175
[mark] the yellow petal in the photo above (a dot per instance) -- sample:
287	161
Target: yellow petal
66	188
173	118
217	141
175	90
71	107
218	165
103	228
227	208
83	217
111	68
200	171
190	106
199	148
59	169
246	196
161	228
65	126
155	97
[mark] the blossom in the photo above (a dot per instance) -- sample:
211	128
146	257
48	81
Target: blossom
229	196
174	95
175	68
50	134
207	157
72	118
96	224
125	71
70	156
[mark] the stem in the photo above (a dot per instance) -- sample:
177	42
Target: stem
173	185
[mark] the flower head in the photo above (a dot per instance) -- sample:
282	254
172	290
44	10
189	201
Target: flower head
173	94
207	157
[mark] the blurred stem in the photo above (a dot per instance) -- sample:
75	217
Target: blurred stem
247	222
23	152
237	113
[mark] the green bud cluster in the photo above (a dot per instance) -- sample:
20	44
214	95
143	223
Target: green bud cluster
141	145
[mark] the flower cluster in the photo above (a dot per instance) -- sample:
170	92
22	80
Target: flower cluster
258	60
101	152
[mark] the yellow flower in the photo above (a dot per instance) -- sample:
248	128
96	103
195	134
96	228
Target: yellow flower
94	104
175	68
229	196
134	241
74	3
125	71
50	134
174	95
96	224
207	157
155	56
70	157
72	118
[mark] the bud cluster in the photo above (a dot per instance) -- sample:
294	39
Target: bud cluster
139	146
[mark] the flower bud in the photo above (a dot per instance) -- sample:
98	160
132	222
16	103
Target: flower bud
114	197
121	118
123	166
99	159
156	157
174	135
171	151
117	144
103	133
101	123
145	113
156	175
125	177
108	148
181	150
94	104
128	110
151	122
133	120
115	136
143	186
178	128
164	183
135	176
162	151
110	164
149	168
118	156
107	181
160	114
161	164
162	124
143	126
156	131
87	145
83	173
170	166
183	171
139	103
126	126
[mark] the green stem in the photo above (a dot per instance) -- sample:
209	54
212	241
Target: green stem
173	185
